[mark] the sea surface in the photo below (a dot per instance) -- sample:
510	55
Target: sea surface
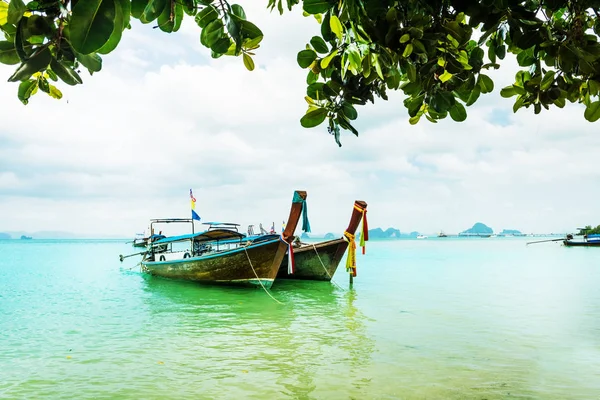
440	318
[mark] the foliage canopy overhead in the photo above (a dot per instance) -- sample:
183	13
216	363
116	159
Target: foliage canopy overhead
435	51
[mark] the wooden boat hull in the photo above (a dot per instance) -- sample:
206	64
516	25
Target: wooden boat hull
570	243
317	262
255	265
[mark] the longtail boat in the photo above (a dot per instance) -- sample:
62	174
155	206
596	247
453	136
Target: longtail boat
319	261
592	240
222	255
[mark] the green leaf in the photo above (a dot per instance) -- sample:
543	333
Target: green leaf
19	41
414	120
212	33
43	85
592	111
206	16
349	111
153	9
189	7
319	44
485	83
306	57
474	96
518	103
248	62
445	76
221	46
547	80
164	20
92	23
313	118
92	61
458	112
316	6
508	91
38	25
404	38
248	30
16	8
525	58
326	60
238	11
115	36
55	93
8	53
35	63
65	73
336	26
407	50
441	102
411	71
137	7
26	89
3	13
377	66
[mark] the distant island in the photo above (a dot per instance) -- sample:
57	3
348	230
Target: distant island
23	237
4	236
390	233
511	232
478	229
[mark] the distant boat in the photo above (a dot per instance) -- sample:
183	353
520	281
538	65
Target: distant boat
221	255
442	234
588	241
421	237
140	240
319	261
23	237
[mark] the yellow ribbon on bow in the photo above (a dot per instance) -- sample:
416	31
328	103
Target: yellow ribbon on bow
351	260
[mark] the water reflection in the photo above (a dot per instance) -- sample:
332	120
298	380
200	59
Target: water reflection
244	342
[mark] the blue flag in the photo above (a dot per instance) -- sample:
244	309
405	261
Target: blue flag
195	215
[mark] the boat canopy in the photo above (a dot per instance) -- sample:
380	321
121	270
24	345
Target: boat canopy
206	236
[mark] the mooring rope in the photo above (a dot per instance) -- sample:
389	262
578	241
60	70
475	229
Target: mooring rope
324	268
259	281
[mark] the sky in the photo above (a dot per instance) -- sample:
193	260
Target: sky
163	117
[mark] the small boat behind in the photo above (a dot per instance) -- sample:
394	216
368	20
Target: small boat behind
421	237
592	240
140	240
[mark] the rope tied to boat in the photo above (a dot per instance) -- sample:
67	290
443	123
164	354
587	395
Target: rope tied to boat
259	280
325	268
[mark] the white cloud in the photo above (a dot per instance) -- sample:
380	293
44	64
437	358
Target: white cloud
163	116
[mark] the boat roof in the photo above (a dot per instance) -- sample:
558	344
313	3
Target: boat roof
206	236
167	220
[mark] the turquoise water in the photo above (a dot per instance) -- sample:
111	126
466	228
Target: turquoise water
426	319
